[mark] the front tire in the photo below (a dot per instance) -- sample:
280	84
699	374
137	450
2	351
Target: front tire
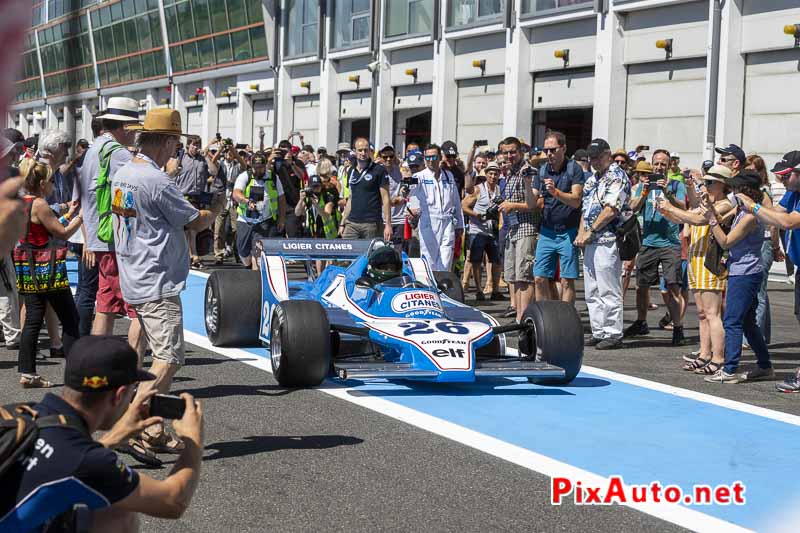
300	343
556	335
232	308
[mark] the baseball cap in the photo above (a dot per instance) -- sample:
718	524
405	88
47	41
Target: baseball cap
343	147
414	158
597	147
707	164
295	150
387	148
733	150
674	155
322	150
101	363
580	155
790	161
746	178
449	148
314	180
258	159
718	173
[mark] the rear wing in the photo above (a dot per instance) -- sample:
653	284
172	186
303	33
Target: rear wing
315	249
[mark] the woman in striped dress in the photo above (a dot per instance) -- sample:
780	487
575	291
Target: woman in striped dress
707	288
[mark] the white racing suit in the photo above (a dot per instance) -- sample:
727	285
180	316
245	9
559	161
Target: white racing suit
440	216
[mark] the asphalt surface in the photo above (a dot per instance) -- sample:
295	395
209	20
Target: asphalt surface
302	460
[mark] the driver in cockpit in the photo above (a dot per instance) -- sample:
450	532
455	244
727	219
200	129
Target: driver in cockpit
384	264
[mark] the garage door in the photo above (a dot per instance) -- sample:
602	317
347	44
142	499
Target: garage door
665	107
771	106
413	96
263	117
226	121
563	89
355	105
306	117
480	112
194	120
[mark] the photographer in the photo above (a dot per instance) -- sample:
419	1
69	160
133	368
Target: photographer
69	468
318	206
483	209
230	167
292	175
661	245
437	204
261	205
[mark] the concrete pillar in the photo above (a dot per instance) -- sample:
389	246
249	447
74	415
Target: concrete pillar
517	115
610	82
445	91
730	94
209	129
244	121
152	99
384	108
69	123
86	112
328	105
51	121
284	102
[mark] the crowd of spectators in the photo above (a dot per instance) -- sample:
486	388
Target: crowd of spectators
138	207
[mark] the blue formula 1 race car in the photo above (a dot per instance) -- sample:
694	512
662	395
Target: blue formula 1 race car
367	320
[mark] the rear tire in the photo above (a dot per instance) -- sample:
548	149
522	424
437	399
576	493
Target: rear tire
233	307
557	336
450	284
300	343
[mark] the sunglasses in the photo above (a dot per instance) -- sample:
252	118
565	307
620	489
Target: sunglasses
620	161
551	150
431	158
387	155
508	152
727	159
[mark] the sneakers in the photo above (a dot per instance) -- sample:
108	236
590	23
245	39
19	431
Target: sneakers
57	353
720	376
608	344
639	327
790	384
592	341
497	296
678	338
755	374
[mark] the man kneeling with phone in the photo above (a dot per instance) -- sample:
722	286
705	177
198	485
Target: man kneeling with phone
66	467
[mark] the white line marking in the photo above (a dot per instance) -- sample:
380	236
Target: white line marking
676	514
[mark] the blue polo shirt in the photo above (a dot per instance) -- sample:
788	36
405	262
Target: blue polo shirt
365	192
557	215
791	202
65	467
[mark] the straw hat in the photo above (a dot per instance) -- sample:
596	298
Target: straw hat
643	166
719	173
160	120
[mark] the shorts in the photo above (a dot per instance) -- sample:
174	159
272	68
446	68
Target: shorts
245	233
647	266
162	323
109	293
362	230
684	277
480	244
518	259
554	248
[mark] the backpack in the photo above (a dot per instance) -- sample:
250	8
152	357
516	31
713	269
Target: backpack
19	429
105	226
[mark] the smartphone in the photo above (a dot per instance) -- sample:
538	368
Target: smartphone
241	146
480	142
167	406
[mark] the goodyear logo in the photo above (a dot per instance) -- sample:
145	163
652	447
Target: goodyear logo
95	382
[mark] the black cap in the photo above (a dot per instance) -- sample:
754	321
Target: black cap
707	164
82	143
449	148
746	178
580	154
415	159
790	161
258	159
597	147
101	363
733	150
314	180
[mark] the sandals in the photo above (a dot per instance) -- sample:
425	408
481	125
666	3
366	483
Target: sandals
696	364
137	449
710	369
34	382
162	443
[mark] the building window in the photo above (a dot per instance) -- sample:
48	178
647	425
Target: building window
303	27
468	12
408	17
535	6
351	22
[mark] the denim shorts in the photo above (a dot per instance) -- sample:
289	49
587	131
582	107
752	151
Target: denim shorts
553	247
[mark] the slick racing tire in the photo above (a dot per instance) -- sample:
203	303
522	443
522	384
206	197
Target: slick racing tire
300	343
556	335
450	284
233	307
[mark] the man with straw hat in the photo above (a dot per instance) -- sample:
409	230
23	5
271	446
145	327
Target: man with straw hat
150	215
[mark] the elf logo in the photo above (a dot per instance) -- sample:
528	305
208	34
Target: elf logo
458	353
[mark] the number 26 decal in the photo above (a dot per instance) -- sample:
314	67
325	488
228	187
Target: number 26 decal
423	328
